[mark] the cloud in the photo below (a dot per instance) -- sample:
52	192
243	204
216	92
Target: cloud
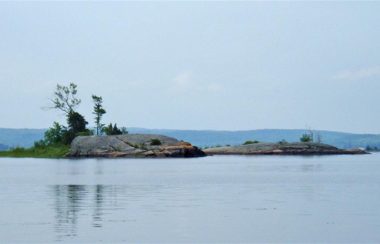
184	82
358	74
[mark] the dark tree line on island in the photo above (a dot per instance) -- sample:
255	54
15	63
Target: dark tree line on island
66	100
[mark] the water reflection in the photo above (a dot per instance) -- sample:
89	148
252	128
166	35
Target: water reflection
311	167
71	202
216	199
98	210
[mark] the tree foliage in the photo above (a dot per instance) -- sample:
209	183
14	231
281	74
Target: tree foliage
306	138
155	142
54	134
76	126
76	122
112	130
250	142
99	111
65	98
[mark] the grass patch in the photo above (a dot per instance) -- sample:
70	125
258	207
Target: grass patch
56	151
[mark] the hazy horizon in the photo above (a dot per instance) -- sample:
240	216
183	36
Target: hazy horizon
221	130
195	65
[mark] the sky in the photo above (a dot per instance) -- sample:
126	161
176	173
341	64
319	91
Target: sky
195	65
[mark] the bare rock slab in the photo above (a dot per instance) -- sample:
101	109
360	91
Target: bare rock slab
308	148
132	145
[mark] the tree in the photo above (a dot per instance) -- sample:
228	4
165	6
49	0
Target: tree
306	138
76	126
112	130
54	135
99	111
65	98
76	122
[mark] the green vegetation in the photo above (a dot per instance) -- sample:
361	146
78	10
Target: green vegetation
65	99
306	138
57	139
53	151
114	130
99	111
155	142
250	142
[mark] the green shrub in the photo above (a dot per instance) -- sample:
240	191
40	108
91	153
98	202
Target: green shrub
306	138
40	143
54	134
112	130
250	142
155	142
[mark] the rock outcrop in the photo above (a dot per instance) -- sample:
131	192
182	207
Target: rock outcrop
132	145
281	149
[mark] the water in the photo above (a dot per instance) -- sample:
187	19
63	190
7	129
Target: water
212	199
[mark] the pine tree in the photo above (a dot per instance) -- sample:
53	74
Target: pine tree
99	111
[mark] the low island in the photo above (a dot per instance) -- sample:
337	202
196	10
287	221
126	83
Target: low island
281	148
160	146
146	145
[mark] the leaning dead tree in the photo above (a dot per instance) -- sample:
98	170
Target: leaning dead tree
65	98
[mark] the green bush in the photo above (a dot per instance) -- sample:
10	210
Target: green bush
155	142
250	142
54	134
40	143
112	130
306	138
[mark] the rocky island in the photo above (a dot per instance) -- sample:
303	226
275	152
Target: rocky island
296	148
132	145
151	146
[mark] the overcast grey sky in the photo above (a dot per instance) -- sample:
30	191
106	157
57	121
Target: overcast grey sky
194	65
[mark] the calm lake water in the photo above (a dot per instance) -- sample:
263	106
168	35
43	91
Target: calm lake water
212	199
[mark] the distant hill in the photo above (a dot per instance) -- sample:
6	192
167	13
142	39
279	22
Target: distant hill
202	138
3	147
20	137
